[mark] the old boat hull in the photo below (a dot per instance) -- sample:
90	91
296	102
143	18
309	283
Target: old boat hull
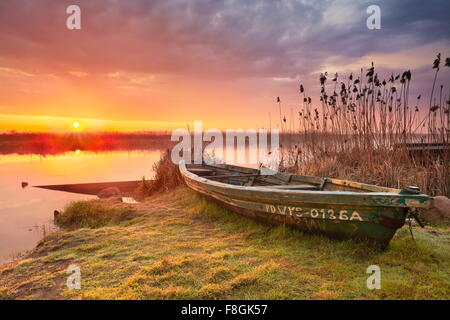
373	216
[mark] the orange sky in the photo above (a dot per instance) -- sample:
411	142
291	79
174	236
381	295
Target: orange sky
155	65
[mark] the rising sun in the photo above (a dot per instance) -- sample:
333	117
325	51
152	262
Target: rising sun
75	124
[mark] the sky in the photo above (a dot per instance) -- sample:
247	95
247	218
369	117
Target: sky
161	64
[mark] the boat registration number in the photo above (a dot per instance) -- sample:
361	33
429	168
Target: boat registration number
323	213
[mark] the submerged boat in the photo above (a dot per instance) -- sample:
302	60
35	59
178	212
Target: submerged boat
332	207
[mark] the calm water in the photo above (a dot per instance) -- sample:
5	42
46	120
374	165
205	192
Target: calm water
25	211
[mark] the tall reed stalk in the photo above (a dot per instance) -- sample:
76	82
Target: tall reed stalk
363	127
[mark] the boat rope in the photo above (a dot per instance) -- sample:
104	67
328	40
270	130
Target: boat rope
411	231
414	214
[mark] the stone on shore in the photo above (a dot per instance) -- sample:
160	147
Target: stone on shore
440	211
109	192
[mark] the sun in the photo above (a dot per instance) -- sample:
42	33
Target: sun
76	124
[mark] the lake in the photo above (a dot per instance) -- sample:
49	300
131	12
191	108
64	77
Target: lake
26	213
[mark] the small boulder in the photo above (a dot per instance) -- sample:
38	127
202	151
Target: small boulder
109	192
442	204
440	211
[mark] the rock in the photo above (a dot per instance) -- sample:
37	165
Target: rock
440	211
24	185
442	204
109	192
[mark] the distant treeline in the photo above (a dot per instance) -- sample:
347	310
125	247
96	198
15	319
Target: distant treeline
56	143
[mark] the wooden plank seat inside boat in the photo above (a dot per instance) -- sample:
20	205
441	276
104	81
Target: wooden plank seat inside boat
211	174
202	171
293	187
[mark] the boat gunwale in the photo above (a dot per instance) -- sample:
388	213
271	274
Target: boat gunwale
421	200
319	180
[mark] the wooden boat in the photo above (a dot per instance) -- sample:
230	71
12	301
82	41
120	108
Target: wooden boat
333	207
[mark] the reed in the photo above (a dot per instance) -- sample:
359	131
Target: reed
361	127
166	178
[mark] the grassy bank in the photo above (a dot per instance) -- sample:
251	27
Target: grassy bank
177	245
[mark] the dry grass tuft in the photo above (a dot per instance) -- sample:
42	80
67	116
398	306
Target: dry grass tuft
167	177
93	214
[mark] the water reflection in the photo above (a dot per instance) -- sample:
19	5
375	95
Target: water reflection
25	211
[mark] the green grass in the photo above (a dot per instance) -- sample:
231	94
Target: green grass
93	214
180	246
